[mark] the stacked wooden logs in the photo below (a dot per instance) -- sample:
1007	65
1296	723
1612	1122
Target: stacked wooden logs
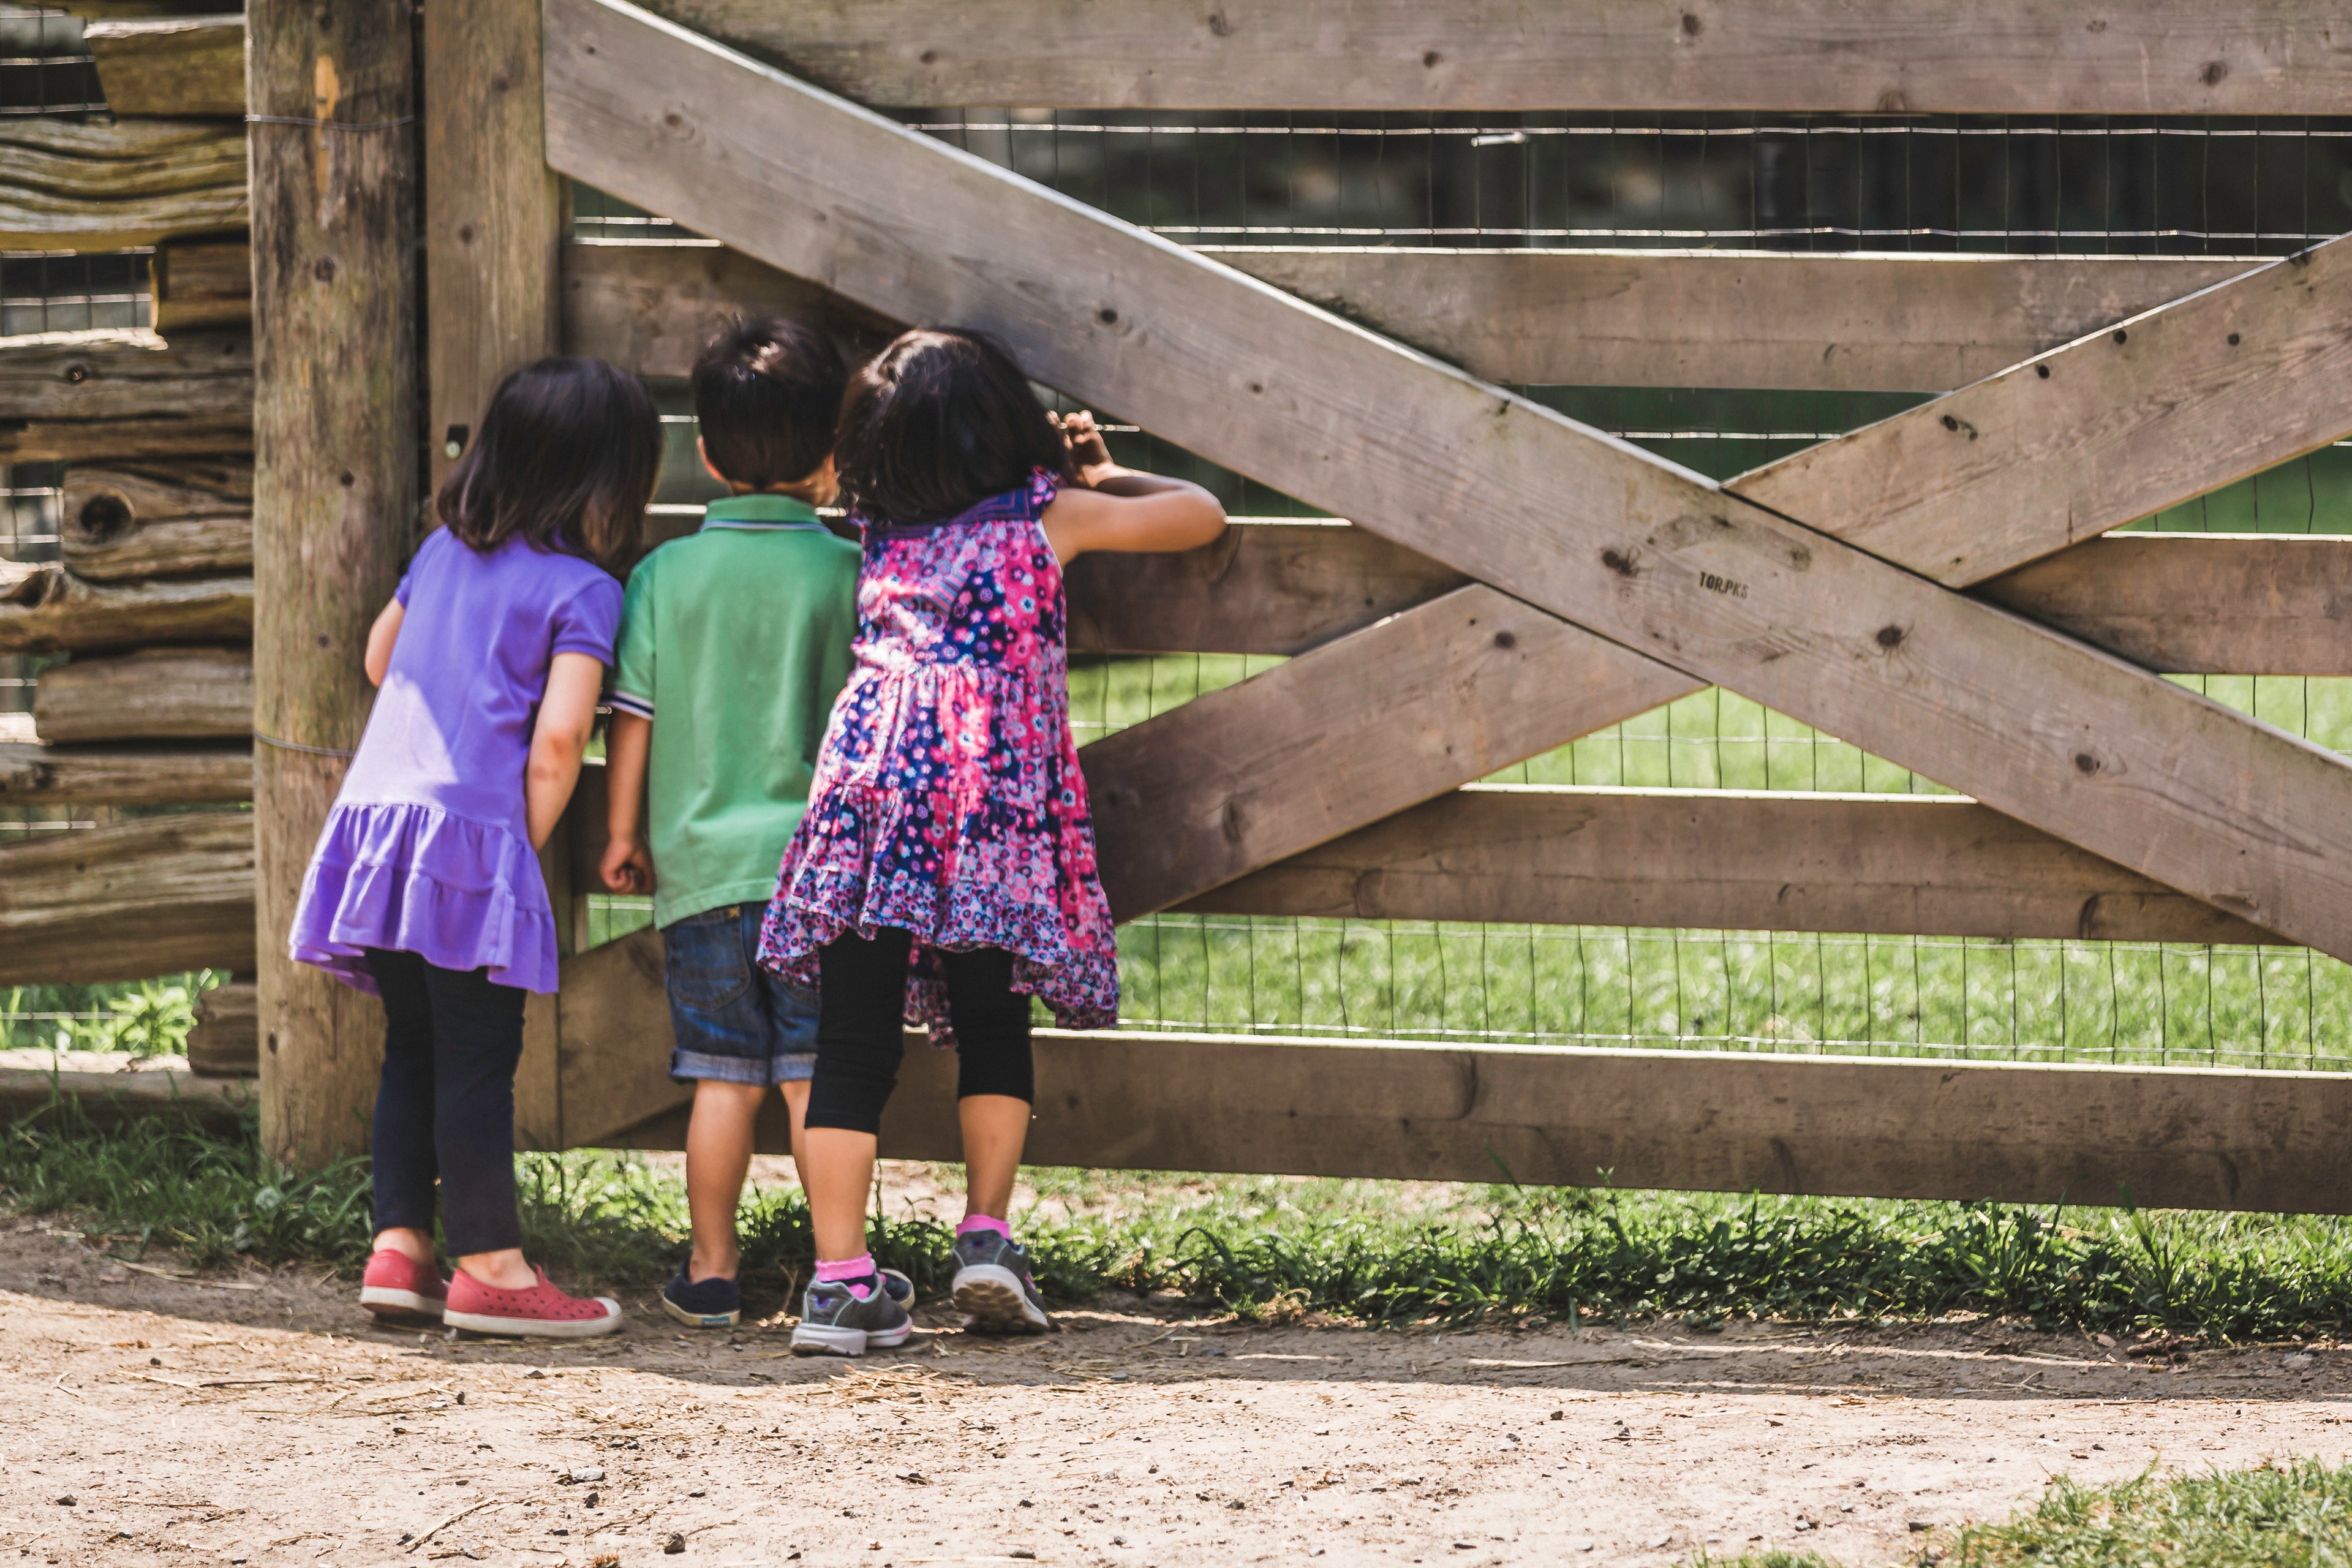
148	610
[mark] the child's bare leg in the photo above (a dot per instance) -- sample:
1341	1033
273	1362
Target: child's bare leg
796	1098
995	1127
839	1172
718	1156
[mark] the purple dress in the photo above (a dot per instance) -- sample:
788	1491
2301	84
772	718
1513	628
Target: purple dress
948	800
427	850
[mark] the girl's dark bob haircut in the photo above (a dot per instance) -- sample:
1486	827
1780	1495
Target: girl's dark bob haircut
937	423
567	458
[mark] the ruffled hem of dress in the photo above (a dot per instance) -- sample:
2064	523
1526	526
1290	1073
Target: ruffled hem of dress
819	905
460	894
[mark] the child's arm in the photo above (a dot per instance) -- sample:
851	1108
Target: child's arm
381	636
567	712
628	867
1122	509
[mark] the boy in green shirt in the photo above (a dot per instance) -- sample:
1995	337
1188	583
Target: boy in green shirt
734	642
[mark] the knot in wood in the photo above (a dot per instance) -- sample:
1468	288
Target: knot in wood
77	373
2214	72
2085	763
1106	316
1507	639
1692	26
1890	637
1620	562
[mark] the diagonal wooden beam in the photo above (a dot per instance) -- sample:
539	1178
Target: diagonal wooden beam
1591	530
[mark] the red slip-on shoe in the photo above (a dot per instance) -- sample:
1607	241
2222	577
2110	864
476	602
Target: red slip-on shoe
540	1312
396	1286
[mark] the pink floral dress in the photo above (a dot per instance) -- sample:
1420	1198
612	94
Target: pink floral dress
948	800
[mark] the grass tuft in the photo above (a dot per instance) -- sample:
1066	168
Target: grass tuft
2297	1515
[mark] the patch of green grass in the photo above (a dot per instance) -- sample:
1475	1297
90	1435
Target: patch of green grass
2299	1515
146	1017
1262	1246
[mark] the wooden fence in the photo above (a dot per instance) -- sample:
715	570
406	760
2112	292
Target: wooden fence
1934	588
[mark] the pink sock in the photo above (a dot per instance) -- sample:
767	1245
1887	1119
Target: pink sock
860	1267
982	1222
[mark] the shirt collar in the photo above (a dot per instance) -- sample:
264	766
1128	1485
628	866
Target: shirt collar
760	511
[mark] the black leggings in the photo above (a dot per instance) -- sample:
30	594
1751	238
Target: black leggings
445	1105
860	1029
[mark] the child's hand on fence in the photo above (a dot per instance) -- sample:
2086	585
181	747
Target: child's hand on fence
628	867
1080	438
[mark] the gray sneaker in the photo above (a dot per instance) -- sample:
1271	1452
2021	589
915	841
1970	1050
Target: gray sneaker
993	1288
837	1321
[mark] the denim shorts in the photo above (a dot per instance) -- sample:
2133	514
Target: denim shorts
735	1022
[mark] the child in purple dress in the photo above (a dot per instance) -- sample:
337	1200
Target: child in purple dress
944	871
425	887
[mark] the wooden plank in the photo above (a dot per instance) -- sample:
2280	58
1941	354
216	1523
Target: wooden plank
1698	1121
99	187
1923	865
2184	604
123	1098
157	520
128	901
336	414
203	284
494	220
2180	400
649	306
177	65
1995	57
48	609
226	1039
121	775
2112	759
2197	604
1729	317
150	694
71	397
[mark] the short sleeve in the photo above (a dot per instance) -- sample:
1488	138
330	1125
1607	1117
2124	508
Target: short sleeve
400	594
586	622
632	666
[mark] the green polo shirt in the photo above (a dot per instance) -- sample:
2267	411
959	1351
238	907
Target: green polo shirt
734	641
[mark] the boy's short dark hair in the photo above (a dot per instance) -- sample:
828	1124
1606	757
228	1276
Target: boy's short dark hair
567	457
767	393
937	423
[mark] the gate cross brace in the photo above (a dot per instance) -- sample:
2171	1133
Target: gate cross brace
1677	578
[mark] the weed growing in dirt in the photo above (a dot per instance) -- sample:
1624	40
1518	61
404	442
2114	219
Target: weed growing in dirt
1280	1250
2297	1516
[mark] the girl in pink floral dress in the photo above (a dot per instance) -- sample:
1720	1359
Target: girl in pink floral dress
944	872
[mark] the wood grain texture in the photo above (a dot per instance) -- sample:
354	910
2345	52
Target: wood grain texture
151	694
48	609
203	284
649	306
336	412
2089	748
67	396
125	1099
1696	1121
2032	57
124	775
1729	317
128	901
226	1039
156	520
2184	604
77	185
174	65
2188	397
1923	865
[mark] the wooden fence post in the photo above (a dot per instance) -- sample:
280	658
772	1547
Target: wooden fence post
493	230
335	484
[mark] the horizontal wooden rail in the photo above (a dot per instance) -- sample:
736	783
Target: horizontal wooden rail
75	185
128	901
125	775
1929	865
117	1098
157	520
1827	1126
170	65
47	608
1714	318
1991	56
2184	604
1698	860
76	397
153	694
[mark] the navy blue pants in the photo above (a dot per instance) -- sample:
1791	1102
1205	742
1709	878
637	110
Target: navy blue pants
445	1105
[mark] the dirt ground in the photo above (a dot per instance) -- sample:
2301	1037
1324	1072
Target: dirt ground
260	1418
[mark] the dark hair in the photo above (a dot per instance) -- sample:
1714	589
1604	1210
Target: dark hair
567	457
768	394
937	423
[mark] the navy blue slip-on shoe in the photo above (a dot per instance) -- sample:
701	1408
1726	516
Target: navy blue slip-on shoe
704	1303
